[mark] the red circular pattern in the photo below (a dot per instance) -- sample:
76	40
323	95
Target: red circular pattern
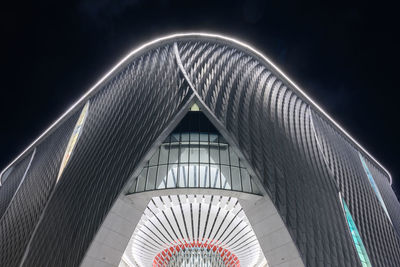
162	259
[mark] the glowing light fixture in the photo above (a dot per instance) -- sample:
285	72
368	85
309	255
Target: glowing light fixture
74	138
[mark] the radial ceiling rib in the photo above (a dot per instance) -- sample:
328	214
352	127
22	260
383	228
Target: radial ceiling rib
239	247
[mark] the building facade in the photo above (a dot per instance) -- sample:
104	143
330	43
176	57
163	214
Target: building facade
196	150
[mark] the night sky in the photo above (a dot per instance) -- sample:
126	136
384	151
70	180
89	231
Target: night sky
343	54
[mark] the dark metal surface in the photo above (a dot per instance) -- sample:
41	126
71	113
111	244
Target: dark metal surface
273	129
269	121
11	182
22	215
388	195
378	234
124	119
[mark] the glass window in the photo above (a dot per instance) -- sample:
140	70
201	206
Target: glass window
214	153
163	154
213	138
225	177
184	153
185	138
245	180
236	183
193	175
194	137
215	176
234	157
172	179
224	156
141	181
204	175
204	138
194	159
194	154
161	177
151	178
361	251
183	176
173	153
174	138
204	153
154	159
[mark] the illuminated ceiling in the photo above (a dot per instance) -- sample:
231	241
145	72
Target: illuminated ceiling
207	229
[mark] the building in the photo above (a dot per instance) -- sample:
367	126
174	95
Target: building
195	150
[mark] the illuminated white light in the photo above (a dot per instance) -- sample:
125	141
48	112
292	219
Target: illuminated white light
174	223
73	139
208	35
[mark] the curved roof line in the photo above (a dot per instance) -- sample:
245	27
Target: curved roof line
218	37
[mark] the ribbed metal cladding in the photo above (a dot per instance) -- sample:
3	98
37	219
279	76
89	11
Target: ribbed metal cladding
301	160
124	120
376	230
12	181
389	197
273	128
22	215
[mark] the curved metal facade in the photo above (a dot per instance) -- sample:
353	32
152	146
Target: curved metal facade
302	159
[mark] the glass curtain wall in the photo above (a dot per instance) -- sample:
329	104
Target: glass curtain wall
360	248
195	157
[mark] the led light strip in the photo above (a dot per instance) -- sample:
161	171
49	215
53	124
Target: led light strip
198	35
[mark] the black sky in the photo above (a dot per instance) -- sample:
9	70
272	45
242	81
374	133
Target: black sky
345	55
